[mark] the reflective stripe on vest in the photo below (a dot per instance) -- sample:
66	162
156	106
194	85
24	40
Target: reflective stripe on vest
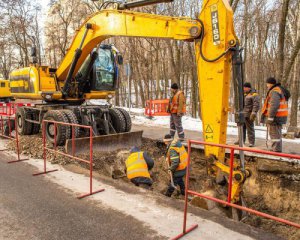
283	106
136	166
174	104
183	156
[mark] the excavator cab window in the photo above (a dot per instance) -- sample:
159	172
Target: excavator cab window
104	70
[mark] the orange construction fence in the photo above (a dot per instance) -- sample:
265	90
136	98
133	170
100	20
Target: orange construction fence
9	109
157	108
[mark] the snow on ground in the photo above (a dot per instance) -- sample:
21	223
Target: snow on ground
192	124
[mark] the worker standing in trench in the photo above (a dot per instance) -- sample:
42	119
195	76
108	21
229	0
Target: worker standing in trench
275	112
177	108
177	162
138	165
251	108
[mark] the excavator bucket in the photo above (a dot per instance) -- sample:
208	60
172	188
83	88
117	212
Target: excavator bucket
105	143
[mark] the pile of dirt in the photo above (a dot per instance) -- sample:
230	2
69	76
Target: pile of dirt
33	147
273	188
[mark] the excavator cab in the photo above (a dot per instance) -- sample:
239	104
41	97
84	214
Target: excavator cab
98	73
105	70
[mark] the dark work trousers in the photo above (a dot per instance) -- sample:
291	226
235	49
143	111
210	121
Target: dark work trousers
178	181
249	129
276	137
176	125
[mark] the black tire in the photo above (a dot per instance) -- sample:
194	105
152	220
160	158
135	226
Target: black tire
62	131
35	127
72	119
23	127
117	120
127	117
8	129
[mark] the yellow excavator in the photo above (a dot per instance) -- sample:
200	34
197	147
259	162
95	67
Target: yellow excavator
5	94
90	71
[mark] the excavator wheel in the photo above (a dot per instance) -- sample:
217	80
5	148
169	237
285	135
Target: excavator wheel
127	117
23	127
8	129
35	127
62	131
73	120
117	120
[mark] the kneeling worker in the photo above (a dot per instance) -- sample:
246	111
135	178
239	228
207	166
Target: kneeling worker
138	165
177	159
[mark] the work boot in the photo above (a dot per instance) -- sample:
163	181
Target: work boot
237	142
168	194
251	145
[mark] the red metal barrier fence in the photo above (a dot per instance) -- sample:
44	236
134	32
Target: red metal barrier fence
157	108
7	125
45	148
9	109
228	202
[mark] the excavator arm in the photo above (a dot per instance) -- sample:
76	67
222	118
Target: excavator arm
110	23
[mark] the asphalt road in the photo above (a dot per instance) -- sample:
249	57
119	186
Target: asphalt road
35	208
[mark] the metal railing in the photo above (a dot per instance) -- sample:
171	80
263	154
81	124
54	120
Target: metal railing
157	108
8	124
73	156
228	202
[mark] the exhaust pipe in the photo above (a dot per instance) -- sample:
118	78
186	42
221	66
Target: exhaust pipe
141	3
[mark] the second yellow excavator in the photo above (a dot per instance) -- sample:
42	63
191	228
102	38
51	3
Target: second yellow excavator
90	71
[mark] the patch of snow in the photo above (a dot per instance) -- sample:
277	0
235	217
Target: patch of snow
193	124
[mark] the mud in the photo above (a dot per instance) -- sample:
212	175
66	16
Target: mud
273	188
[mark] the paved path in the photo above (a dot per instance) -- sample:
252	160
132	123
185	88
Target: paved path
36	208
157	132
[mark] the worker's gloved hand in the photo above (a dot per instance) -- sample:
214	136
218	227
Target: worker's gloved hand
252	117
270	121
179	114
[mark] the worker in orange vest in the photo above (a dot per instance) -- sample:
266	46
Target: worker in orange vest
275	112
177	108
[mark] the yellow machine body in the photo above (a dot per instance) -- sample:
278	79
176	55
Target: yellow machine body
4	89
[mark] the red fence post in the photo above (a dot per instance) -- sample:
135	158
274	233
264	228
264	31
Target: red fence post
16	139
44	151
184	230
230	174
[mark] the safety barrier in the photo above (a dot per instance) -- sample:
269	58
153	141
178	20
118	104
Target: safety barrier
7	125
9	109
157	108
55	151
228	202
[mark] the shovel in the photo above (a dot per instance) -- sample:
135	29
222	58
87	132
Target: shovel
170	173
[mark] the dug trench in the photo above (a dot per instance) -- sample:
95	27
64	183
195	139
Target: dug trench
273	188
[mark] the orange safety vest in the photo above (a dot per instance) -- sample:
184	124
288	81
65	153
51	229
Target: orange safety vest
182	155
174	103
283	107
136	166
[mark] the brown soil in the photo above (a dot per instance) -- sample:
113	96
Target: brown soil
273	188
